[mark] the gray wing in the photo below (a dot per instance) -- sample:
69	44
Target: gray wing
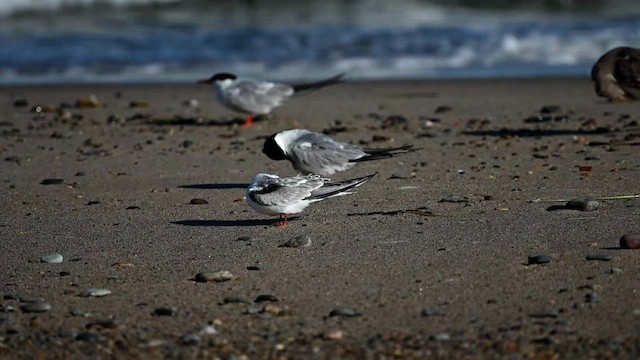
288	191
257	97
319	154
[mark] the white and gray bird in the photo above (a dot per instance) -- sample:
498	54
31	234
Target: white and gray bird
257	97
272	195
316	153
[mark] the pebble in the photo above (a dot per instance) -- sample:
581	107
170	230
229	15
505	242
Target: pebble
333	335
599	257
440	337
133	207
190	339
52	181
16	159
29	299
582	204
90	338
123	264
237	300
266	297
298	241
274	310
592	297
64	273
432	313
94	292
454	199
54	258
218	276
79	313
443	109
7	308
343	311
36	307
538	259
544	314
630	241
165	311
615	270
198	202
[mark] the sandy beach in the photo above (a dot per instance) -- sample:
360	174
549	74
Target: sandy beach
429	259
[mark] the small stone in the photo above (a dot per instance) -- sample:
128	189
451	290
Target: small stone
443	109
198	202
274	310
599	257
93	202
133	207
7	308
16	159
54	258
630	241
94	292
298	241
266	297
454	199
30	299
64	273
592	297
343	311
244	238
237	300
90	338
90	102
548	109
440	337
36	307
208	330
104	323
333	335
79	313
52	181
253	268
165	311
538	259
190	339
138	104
219	276
582	204
432	313
615	270
20	103
545	314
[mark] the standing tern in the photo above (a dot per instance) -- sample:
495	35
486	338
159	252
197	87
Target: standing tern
272	195
257	97
316	153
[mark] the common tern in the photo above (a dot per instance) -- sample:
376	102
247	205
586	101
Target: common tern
316	153
257	97
272	195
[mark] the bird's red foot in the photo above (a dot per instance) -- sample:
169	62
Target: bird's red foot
283	220
249	122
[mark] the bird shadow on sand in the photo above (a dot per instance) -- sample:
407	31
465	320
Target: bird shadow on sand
220	186
194	121
224	223
535	132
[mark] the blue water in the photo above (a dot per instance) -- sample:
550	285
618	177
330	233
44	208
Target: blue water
181	42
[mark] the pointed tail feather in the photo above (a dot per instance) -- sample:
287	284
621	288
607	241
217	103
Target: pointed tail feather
338	188
377	154
317	85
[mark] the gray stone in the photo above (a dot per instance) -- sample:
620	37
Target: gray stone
94	292
599	257
298	241
538	259
218	276
545	314
36	307
343	311
54	258
583	204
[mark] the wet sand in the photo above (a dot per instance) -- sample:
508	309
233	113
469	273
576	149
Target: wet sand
448	280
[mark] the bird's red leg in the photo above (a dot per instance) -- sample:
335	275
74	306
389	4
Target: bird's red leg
249	122
283	220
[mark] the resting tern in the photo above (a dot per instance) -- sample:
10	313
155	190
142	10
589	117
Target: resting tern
272	195
257	97
316	153
617	74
